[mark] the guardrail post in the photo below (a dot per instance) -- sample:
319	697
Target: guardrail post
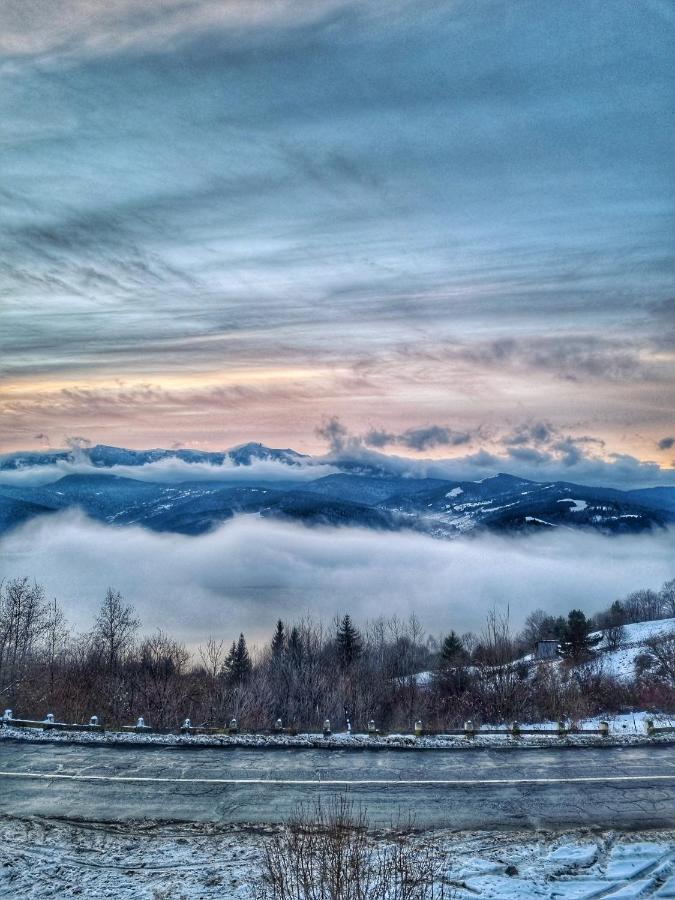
326	728
603	728
469	729
419	728
649	726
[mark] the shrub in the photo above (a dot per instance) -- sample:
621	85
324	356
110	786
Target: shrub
326	853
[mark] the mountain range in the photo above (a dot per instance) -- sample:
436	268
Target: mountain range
367	495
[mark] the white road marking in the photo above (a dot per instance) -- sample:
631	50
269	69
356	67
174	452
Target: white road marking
346	782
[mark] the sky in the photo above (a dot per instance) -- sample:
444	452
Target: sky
438	229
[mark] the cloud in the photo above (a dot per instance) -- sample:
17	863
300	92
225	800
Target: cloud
536	450
77	444
85	27
529	433
528	455
250	572
169	471
574	357
418	439
466	210
379	438
666	443
335	433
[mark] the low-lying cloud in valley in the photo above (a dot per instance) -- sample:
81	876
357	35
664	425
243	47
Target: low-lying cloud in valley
250	571
169	470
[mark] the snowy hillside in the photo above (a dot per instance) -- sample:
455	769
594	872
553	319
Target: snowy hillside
620	663
615	663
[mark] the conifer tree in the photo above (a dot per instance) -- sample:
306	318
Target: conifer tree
238	665
577	642
294	647
279	640
452	651
348	643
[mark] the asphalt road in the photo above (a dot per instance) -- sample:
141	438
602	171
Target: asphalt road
610	788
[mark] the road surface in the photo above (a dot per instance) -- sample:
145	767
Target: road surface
631	787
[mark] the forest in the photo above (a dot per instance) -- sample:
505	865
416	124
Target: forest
388	670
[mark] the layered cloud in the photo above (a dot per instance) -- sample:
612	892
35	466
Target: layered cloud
533	449
250	572
419	439
221	220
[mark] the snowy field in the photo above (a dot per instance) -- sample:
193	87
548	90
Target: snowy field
628	728
40	858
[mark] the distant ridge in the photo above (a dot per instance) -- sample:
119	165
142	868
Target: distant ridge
296	488
104	456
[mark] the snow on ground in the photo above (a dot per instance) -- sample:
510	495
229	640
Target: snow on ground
639	632
578	506
53	858
620	663
629	728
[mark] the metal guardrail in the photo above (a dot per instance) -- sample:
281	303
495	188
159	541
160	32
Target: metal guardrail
49	725
470	730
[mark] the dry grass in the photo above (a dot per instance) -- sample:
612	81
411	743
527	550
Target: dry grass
326	853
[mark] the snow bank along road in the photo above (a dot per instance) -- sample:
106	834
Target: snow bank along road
628	787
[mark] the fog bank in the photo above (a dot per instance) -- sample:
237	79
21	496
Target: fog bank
251	571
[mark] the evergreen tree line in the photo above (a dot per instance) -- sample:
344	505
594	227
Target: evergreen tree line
387	670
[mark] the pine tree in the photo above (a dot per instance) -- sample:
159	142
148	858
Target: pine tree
279	640
294	647
348	643
617	614
452	651
577	642
238	665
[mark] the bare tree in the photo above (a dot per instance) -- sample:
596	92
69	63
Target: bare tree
667	598
55	645
23	621
534	628
643	606
114	630
614	635
163	690
662	653
212	656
